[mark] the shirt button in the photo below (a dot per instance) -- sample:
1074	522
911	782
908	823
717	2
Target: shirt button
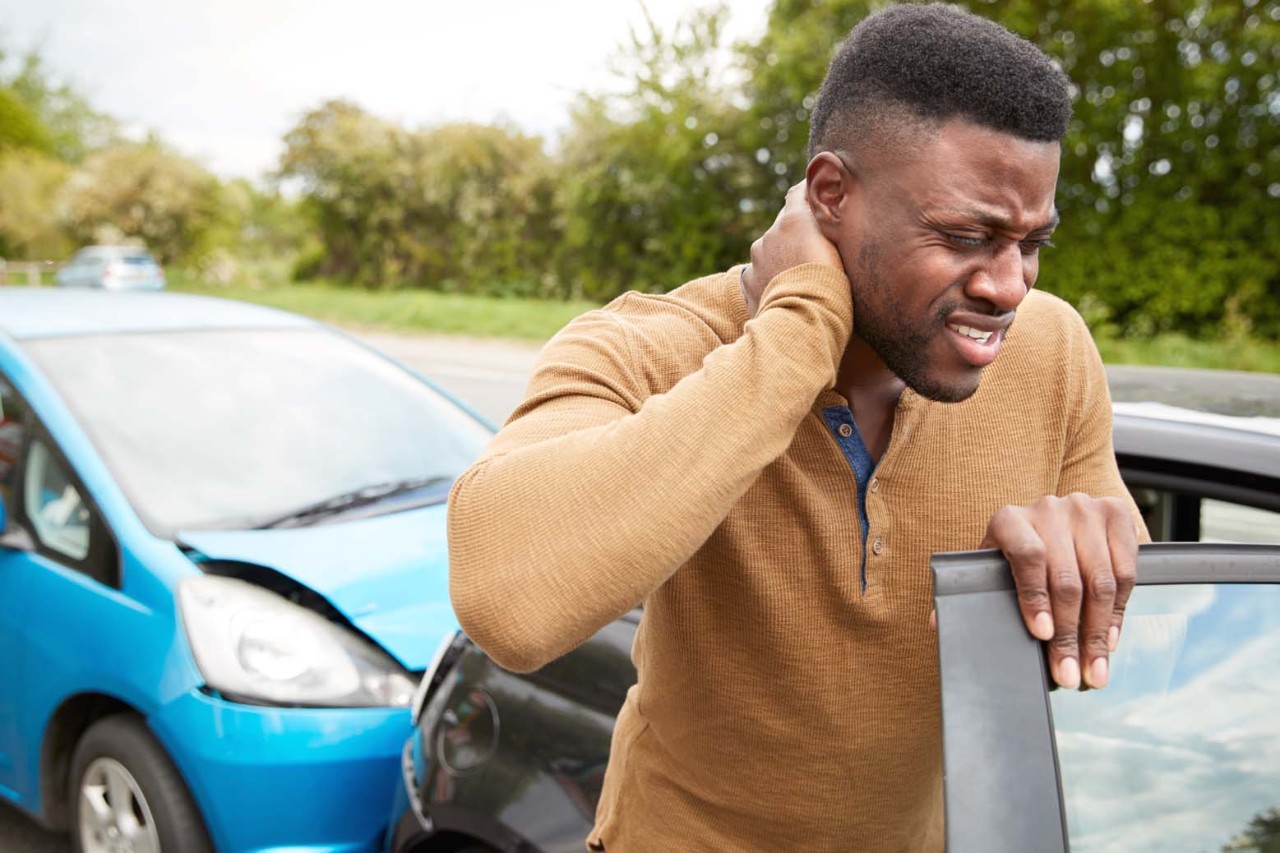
845	430
875	484
877	547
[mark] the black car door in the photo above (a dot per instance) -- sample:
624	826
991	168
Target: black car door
1181	752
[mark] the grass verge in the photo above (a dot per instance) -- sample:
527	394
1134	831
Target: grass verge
1235	352
421	311
410	311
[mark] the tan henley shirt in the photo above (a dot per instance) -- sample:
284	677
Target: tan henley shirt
672	453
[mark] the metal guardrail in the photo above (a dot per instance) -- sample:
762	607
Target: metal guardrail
26	272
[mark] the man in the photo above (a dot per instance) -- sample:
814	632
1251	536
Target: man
766	458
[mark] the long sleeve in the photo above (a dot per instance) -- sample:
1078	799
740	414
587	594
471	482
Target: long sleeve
1089	463
597	490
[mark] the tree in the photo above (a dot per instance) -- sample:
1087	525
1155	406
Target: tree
1172	162
1262	835
20	127
70	127
1171	166
652	175
44	127
459	207
491	194
29	224
785	67
145	191
343	159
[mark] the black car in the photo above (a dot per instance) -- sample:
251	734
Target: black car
1180	752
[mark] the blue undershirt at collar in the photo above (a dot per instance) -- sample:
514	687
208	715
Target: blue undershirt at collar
845	431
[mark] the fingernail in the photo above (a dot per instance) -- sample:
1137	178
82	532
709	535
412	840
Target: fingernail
1113	638
1069	673
1042	627
1098	673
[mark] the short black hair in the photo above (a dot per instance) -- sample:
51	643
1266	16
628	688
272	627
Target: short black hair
928	63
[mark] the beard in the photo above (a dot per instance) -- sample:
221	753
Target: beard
880	319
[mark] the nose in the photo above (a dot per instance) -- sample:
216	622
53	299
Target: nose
1003	281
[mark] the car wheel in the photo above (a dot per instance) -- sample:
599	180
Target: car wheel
126	795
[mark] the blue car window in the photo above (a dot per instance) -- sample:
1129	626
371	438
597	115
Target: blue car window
1181	752
54	505
232	429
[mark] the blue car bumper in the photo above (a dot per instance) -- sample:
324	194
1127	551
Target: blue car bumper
301	779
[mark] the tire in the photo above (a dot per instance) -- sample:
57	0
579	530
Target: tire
126	794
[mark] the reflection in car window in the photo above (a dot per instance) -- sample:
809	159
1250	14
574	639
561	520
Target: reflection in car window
1182	750
54	505
1222	521
222	429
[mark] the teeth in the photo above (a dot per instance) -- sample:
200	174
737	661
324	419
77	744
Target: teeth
976	334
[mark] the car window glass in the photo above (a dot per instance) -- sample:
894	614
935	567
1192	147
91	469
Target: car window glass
54	506
13	414
1181	752
226	429
1223	521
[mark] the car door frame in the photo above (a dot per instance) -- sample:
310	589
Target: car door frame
1002	781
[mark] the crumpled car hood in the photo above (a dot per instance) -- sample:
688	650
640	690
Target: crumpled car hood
388	574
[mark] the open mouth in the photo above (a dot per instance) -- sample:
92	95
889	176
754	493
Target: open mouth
976	346
971	333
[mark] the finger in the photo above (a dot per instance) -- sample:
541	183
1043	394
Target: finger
1042	559
1011	531
1065	592
933	620
1093	556
1122	538
795	197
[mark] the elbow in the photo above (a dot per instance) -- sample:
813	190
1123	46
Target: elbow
501	632
491	588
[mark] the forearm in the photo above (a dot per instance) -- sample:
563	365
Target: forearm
553	537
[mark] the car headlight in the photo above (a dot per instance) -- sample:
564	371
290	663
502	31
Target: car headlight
251	644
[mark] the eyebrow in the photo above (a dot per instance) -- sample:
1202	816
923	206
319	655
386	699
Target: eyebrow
999	223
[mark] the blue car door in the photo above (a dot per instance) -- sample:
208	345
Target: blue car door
58	566
14	579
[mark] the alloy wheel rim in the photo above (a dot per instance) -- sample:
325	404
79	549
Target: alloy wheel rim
114	815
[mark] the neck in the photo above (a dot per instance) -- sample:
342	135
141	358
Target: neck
872	391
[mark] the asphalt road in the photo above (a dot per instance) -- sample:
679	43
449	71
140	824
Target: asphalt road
19	834
489	376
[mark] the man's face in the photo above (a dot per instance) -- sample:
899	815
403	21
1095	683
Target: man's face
942	248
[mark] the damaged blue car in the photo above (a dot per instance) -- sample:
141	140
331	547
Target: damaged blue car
222	570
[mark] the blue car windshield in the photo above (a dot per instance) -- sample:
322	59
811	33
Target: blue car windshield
230	429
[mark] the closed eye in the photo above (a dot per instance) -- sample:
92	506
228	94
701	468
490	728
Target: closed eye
966	241
1030	247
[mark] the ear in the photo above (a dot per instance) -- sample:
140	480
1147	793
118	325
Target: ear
830	186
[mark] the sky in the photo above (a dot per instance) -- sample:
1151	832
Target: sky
223	80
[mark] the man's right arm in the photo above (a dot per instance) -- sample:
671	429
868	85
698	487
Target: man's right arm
596	492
